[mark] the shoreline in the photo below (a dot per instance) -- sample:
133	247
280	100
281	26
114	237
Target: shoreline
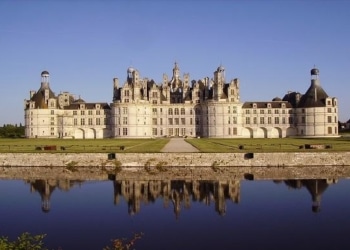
175	159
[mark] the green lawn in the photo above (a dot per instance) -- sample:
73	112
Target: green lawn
82	146
268	145
155	145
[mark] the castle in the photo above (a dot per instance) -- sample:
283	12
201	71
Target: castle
180	107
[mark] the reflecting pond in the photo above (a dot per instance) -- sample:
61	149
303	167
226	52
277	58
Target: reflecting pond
217	213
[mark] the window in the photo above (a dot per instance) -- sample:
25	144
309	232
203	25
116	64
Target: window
182	111
154	131
75	121
98	121
125	110
52	112
234	110
97	112
269	111
329	130
335	119
82	112
283	120
283	111
277	120
90	121
269	120
154	101
234	120
261	111
191	121
126	92
170	131
276	111
329	119
154	111
170	111
125	120
247	120
183	121
254	120
191	112
176	111
290	120
234	131
82	121
262	120
170	121
154	94
125	131
247	111
254	111
161	121
176	121
154	121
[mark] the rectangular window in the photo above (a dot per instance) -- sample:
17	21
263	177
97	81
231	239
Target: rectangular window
170	132
191	121
329	119
82	121
283	120
234	110
247	111
234	120
290	120
261	111
52	112
154	111
97	112
254	111
277	120
125	110
125	120
90	121
161	121
176	121
269	111
247	120
276	111
234	131
262	120
154	121
90	112
176	111
329	130
269	120
82	112
154	94
183	121
125	131
182	111
255	120
170	121
75	121
154	131
98	121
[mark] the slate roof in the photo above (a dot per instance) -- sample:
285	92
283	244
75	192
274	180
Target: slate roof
87	105
315	96
39	97
263	105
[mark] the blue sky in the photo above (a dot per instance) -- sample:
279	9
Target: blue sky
269	45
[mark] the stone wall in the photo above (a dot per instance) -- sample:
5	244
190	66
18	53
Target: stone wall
174	159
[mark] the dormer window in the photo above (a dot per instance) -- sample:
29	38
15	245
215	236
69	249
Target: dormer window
283	105
98	106
254	105
269	105
82	106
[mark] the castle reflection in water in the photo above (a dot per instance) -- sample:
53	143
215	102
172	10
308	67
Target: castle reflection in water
178	193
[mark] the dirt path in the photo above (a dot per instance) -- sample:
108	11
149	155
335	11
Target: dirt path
178	145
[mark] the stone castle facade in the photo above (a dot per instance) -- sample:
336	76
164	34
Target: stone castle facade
179	106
